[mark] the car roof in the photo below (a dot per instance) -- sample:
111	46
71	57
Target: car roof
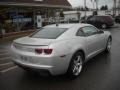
67	25
103	15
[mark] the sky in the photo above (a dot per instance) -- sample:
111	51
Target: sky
76	3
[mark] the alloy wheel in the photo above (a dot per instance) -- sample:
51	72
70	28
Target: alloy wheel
77	65
109	45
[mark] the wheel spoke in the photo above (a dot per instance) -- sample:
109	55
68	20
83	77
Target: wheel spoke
77	65
74	69
77	70
109	45
78	58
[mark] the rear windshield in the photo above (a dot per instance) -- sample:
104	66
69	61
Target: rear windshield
48	33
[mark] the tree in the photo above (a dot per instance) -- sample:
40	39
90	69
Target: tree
104	7
86	8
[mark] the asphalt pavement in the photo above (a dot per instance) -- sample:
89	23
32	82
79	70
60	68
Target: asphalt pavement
100	73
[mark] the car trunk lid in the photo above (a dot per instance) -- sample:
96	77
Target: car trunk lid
27	44
33	41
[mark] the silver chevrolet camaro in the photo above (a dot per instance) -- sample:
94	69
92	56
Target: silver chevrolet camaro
60	49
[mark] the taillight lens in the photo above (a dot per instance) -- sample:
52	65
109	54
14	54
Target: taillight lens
13	44
46	51
38	51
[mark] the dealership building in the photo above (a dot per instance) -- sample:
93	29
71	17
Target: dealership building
19	15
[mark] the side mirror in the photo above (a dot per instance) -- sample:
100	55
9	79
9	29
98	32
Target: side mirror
100	32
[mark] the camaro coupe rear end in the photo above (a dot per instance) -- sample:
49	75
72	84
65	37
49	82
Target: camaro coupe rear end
60	49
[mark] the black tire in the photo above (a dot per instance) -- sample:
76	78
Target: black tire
108	45
103	26
76	65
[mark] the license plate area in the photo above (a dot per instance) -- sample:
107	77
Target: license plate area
26	59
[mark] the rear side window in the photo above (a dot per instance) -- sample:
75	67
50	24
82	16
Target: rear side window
48	33
89	30
92	19
99	18
80	33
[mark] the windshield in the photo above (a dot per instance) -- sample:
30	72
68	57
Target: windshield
48	33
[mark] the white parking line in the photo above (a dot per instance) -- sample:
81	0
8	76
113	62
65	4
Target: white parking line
3	49
4	58
6	70
6	64
4	54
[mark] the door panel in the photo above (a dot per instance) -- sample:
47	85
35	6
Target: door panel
96	44
92	44
95	40
101	39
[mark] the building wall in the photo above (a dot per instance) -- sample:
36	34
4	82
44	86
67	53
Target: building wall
13	19
73	14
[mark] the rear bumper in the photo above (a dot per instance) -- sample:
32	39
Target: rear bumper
29	68
54	64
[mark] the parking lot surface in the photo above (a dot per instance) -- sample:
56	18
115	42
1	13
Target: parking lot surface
100	73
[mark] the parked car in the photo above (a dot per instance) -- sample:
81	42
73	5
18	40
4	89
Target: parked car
60	49
101	21
117	19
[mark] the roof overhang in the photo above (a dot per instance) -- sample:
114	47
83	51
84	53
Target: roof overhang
32	5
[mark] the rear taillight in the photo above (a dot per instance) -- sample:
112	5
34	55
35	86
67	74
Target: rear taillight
38	51
45	51
13	44
48	51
